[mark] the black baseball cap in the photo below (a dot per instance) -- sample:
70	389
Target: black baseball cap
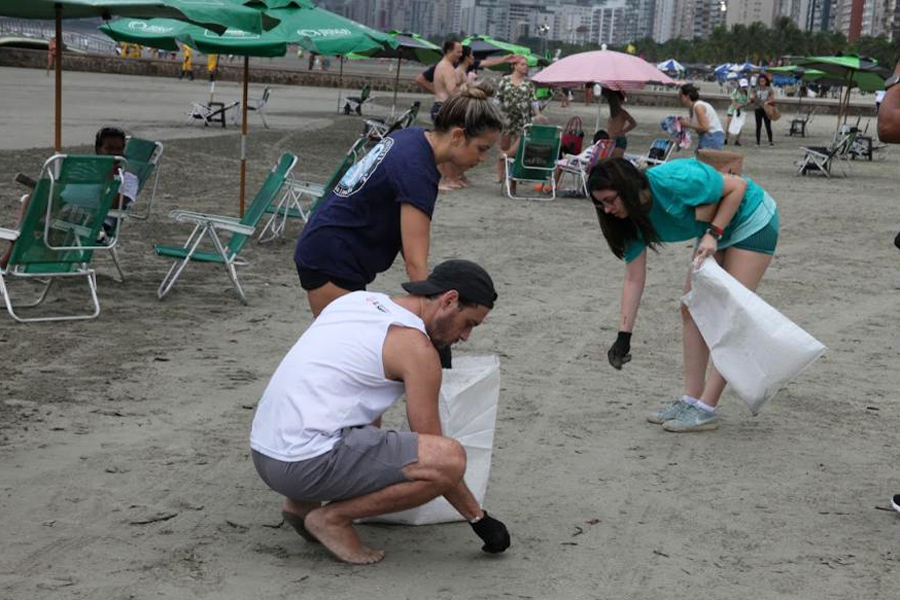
470	281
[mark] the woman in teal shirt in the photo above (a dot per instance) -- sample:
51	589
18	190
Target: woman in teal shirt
732	219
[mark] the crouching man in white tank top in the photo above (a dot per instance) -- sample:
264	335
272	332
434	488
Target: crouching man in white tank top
316	435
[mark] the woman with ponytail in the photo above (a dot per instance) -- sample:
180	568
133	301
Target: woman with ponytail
383	205
732	219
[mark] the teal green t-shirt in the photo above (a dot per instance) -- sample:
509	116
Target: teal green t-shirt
678	187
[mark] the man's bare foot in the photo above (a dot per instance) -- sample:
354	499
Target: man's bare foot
443	187
340	539
293	513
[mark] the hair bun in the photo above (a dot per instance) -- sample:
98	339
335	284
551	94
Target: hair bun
481	90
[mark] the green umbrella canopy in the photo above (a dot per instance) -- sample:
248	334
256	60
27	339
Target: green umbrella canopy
484	46
297	25
410	46
214	14
849	70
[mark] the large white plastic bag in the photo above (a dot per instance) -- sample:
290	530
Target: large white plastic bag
737	122
468	406
755	348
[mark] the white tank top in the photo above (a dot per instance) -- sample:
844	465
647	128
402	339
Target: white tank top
332	378
711	117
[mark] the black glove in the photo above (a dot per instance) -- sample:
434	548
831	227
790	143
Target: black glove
493	533
620	352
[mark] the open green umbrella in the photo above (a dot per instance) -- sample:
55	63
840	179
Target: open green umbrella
217	14
484	46
410	46
847	70
300	22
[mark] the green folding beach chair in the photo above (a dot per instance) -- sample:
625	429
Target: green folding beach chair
301	198
214	226
143	158
60	227
535	160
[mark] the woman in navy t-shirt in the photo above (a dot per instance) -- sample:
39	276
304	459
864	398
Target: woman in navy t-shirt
383	205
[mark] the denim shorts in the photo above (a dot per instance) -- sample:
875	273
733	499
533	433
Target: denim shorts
711	140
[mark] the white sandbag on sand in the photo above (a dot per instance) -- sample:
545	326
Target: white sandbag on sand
468	406
755	348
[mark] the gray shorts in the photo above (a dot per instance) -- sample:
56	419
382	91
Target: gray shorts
365	460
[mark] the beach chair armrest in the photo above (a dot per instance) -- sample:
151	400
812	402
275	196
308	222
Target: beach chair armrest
815	151
8	234
190	215
218	221
306	187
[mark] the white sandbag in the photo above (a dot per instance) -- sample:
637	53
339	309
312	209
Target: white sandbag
737	122
755	348
468	407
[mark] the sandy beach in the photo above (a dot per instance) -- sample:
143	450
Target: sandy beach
124	459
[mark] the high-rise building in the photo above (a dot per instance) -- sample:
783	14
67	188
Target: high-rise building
745	12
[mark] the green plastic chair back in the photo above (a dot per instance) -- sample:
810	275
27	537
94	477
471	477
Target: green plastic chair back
264	197
349	160
140	155
537	153
139	149
77	192
364	94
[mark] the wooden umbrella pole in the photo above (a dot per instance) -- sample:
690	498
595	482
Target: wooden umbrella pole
57	58
396	85
244	134
340	82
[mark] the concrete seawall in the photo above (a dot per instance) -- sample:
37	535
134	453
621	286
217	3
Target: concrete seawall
233	71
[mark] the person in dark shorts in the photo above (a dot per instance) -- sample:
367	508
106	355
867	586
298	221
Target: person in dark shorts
316	436
383	204
620	120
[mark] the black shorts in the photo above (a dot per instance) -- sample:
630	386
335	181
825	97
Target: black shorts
313	280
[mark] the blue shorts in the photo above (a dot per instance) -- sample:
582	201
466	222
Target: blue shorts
711	140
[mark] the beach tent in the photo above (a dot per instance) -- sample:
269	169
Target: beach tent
300	22
217	15
670	66
744	68
721	72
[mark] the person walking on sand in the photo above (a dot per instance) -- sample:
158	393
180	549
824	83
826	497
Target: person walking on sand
703	118
187	63
383	205
620	121
760	98
740	98
317	435
516	95
51	54
732	219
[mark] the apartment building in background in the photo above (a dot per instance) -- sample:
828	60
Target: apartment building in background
617	22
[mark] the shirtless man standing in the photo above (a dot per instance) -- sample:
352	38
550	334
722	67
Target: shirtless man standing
446	80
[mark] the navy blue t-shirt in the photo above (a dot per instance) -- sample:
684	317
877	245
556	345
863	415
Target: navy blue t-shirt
355	232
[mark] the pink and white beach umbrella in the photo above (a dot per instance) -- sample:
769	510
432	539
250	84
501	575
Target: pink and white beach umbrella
613	70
